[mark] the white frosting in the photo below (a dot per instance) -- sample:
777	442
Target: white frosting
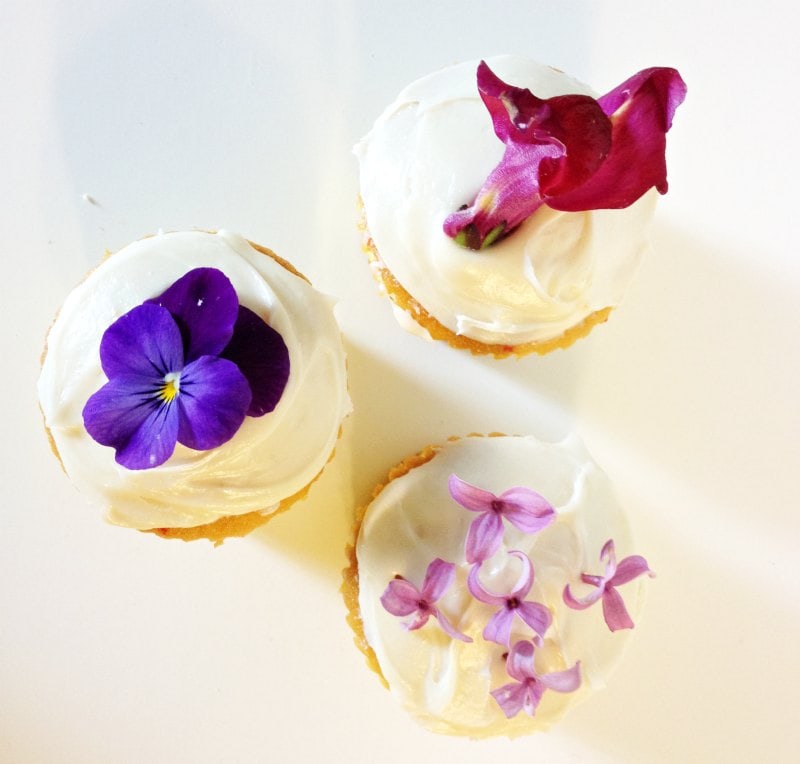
270	457
427	155
445	683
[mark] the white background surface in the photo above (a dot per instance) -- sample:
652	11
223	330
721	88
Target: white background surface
117	646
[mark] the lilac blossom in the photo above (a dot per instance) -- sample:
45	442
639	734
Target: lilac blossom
522	507
525	693
535	615
616	574
402	598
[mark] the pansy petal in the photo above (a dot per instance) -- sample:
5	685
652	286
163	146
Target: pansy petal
498	628
630	568
213	399
448	628
478	592
511	698
153	442
470	496
262	356
484	537
438	577
537	616
642	113
563	681
400	597
581	603
143	342
114	413
519	664
526	509
204	305
614	611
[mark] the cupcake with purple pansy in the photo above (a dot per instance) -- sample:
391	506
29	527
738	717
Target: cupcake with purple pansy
472	579
194	385
505	207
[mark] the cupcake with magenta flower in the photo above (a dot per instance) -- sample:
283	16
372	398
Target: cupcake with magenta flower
194	385
505	207
493	583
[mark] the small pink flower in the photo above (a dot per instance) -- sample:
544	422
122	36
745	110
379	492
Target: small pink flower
525	693
498	629
403	598
522	507
614	612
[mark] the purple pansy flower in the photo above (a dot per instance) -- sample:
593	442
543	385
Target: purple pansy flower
403	598
525	693
522	507
186	367
570	152
535	615
614	611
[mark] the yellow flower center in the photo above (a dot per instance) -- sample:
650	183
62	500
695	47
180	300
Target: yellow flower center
171	387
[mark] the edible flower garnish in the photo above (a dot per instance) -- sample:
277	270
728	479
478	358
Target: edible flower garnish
402	598
498	629
614	611
522	507
185	367
525	693
570	152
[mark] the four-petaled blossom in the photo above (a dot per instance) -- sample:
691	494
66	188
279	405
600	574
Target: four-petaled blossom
535	615
570	152
185	367
525	693
522	507
614	612
402	598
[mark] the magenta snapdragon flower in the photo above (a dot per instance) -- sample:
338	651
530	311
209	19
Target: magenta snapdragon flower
570	152
614	611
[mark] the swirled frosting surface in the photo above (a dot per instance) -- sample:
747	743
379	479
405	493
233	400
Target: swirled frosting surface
426	156
445	683
270	458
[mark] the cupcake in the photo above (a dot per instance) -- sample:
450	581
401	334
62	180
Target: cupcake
194	385
491	584
505	212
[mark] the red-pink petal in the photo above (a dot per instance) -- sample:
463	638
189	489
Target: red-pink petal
641	111
614	611
525	580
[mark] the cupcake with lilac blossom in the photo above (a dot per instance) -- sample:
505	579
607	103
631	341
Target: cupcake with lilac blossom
493	559
505	208
194	385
